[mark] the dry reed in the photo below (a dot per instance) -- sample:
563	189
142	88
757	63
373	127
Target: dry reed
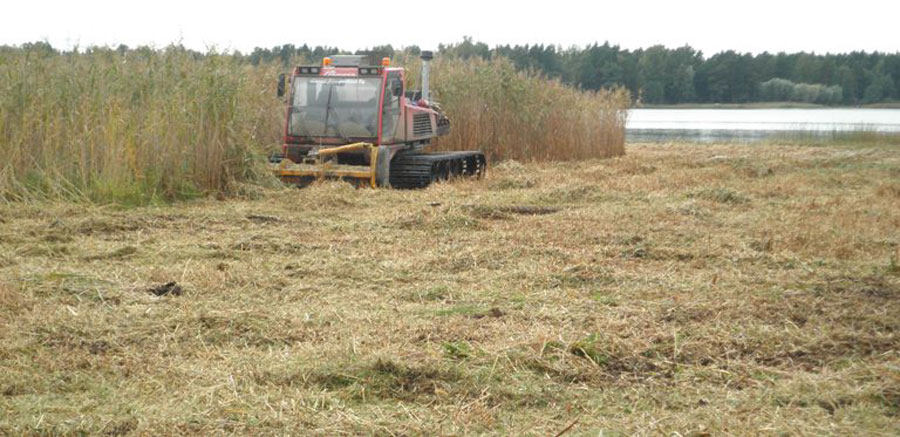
133	127
141	126
523	116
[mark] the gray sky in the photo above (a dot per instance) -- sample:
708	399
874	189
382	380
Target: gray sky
710	26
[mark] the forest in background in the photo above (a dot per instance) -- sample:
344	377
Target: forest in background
661	75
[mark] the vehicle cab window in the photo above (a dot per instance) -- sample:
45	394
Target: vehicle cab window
390	113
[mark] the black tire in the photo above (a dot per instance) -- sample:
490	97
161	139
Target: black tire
383	167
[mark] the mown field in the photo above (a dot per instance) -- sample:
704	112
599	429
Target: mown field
677	289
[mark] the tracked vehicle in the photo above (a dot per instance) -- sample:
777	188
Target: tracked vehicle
349	120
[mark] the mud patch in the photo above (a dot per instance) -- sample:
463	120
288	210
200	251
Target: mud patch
506	211
98	347
170	288
493	312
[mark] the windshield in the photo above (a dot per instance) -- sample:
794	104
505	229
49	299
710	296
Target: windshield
341	107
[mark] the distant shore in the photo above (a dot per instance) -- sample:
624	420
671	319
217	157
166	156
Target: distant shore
767	105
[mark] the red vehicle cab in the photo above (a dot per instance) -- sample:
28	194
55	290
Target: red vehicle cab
343	102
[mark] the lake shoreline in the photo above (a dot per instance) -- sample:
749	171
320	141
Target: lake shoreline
767	105
793	137
755	125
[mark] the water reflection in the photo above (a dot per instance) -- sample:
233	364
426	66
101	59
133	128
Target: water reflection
712	125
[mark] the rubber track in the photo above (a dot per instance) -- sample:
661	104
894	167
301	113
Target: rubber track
418	170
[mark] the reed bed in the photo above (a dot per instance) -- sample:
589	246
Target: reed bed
523	116
132	126
143	126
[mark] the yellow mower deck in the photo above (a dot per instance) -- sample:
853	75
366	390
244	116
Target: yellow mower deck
408	169
292	172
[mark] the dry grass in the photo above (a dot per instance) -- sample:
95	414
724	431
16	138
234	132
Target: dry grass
680	289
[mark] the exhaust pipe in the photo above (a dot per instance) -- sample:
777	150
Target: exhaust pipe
426	56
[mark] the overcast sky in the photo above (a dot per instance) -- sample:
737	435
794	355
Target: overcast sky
711	26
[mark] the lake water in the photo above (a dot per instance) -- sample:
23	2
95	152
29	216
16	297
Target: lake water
753	124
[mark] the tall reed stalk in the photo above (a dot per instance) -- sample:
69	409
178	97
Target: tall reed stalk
140	126
521	115
133	127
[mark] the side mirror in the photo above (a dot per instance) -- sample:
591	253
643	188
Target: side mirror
281	85
396	87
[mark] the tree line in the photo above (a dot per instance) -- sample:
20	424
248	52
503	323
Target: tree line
661	75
